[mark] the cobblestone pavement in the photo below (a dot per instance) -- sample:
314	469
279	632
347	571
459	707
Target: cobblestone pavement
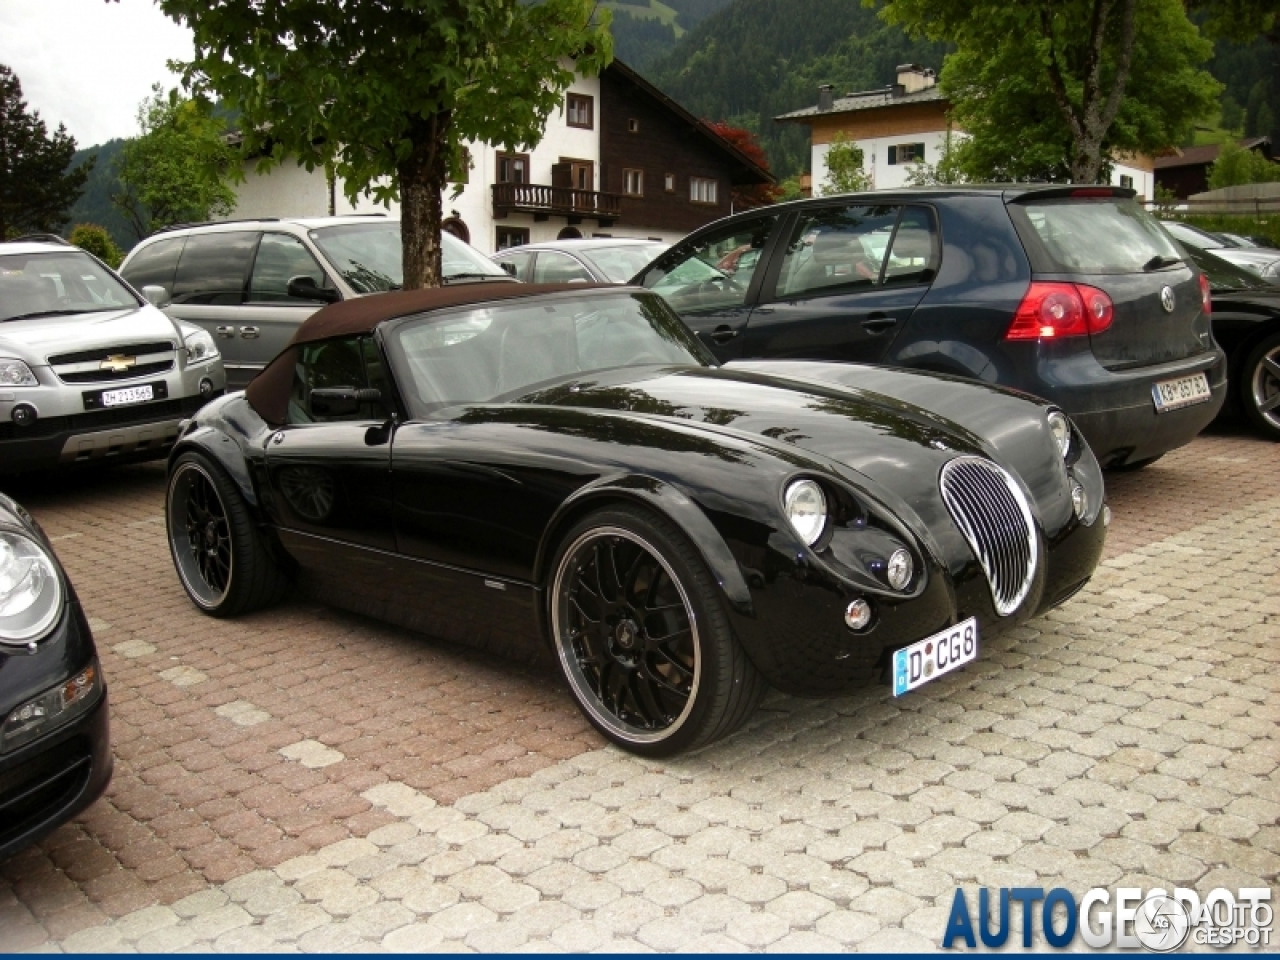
307	780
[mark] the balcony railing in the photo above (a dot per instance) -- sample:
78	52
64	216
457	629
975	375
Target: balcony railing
543	201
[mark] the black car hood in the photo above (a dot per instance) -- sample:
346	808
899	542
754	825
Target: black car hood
884	424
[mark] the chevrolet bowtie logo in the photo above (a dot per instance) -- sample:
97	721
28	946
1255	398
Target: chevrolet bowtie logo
118	363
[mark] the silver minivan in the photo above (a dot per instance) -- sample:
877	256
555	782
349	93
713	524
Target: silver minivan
250	283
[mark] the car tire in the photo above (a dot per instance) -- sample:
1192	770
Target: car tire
229	570
1260	384
1136	464
643	638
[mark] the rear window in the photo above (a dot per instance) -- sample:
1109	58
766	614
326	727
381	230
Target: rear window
1095	236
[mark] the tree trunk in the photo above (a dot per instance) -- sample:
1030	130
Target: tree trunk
422	179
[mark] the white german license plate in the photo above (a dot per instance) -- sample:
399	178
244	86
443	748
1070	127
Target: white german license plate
933	656
1183	392
116	398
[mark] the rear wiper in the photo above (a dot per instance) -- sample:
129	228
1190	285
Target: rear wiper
47	313
1159	263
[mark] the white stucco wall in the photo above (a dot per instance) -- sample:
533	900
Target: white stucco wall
886	176
291	191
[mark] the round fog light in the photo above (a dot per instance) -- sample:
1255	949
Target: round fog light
857	615
1106	515
206	388
900	569
1079	500
24	415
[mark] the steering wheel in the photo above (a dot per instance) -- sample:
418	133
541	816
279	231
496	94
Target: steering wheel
709	285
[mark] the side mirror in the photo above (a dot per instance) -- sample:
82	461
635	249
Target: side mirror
508	266
157	296
304	288
340	401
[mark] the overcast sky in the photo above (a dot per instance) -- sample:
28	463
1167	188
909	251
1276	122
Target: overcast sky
87	63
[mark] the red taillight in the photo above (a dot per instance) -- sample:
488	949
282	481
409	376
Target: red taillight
1052	310
1206	303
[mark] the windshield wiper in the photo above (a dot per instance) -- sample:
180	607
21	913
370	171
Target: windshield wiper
474	276
1159	263
47	313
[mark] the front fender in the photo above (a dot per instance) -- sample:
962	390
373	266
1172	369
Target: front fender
226	453
670	502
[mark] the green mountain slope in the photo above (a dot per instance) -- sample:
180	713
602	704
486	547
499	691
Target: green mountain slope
755	59
646	30
94	205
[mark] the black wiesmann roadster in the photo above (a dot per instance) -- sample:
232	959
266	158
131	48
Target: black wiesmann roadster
515	465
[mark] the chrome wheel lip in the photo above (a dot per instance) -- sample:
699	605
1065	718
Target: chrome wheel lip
1267	369
179	543
578	682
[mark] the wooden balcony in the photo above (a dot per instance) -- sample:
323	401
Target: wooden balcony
544	202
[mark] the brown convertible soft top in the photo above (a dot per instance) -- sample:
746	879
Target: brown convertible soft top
268	394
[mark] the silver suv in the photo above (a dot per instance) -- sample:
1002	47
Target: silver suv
250	283
88	369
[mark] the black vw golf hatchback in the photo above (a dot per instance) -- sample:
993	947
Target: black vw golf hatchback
1074	294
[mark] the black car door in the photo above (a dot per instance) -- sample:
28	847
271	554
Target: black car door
713	278
845	283
330	473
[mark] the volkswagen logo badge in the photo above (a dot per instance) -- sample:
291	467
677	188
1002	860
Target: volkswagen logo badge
1166	299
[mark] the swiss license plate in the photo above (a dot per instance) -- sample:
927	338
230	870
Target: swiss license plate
931	657
118	398
1183	392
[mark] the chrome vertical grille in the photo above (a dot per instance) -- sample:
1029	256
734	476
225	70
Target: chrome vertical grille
994	517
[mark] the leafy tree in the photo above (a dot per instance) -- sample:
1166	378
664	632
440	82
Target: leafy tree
1236	166
1232	116
1058	88
176	171
756	195
948	169
1239	19
384	94
36	188
94	239
844	167
790	189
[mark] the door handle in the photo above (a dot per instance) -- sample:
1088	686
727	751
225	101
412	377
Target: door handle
723	333
225	331
249	333
878	323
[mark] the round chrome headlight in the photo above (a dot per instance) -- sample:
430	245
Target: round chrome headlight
1060	427
30	592
806	508
1079	500
900	569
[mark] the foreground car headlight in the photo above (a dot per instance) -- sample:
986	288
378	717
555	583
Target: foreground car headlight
200	347
15	373
53	708
806	508
30	591
900	569
1079	500
1060	426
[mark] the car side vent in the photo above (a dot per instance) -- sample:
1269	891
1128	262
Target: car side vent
994	517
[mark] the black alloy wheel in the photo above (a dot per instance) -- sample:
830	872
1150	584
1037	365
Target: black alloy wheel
1260	387
218	551
642	636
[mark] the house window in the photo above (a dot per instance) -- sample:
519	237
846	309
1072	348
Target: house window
578	111
633	183
669	183
1126	181
513	168
906	153
633	125
512	237
702	190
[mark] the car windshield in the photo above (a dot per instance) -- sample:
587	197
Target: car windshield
1222	275
1189	236
1099	236
368	255
57	284
501	352
622	262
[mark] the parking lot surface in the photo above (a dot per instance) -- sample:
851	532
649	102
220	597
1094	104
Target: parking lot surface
303	779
